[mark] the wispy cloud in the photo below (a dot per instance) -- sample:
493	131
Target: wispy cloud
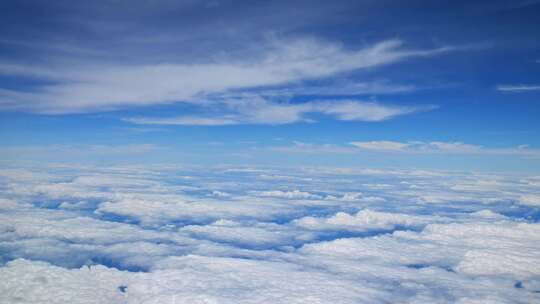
351	110
442	148
91	86
344	88
518	88
309	148
411	147
182	121
257	110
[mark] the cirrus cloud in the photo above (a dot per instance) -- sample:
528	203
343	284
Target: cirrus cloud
93	87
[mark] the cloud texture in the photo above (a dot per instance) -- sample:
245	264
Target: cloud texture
169	234
93	87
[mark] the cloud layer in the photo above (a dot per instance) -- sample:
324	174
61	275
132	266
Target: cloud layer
172	234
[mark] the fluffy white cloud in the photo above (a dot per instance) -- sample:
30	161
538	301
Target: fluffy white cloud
190	279
162	210
362	221
499	252
354	197
38	282
338	235
489	248
254	235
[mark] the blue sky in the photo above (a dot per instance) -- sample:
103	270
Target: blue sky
215	151
444	85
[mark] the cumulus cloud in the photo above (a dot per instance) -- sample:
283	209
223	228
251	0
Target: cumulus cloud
254	235
145	234
190	279
362	221
354	197
455	252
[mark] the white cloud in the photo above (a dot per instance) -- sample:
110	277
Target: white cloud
364	111
301	244
295	194
301	147
410	147
25	281
158	210
493	253
381	145
93	86
254	235
186	120
445	147
71	240
257	110
362	221
530	199
518	88
491	249
441	147
343	88
355	197
189	279
76	229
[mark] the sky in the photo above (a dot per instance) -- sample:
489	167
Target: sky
283	152
450	85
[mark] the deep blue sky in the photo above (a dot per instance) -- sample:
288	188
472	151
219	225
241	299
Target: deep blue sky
428	84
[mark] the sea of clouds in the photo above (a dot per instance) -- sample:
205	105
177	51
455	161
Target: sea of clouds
173	234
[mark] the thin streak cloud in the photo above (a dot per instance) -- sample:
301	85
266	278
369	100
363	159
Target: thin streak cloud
411	147
257	110
518	88
92	87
